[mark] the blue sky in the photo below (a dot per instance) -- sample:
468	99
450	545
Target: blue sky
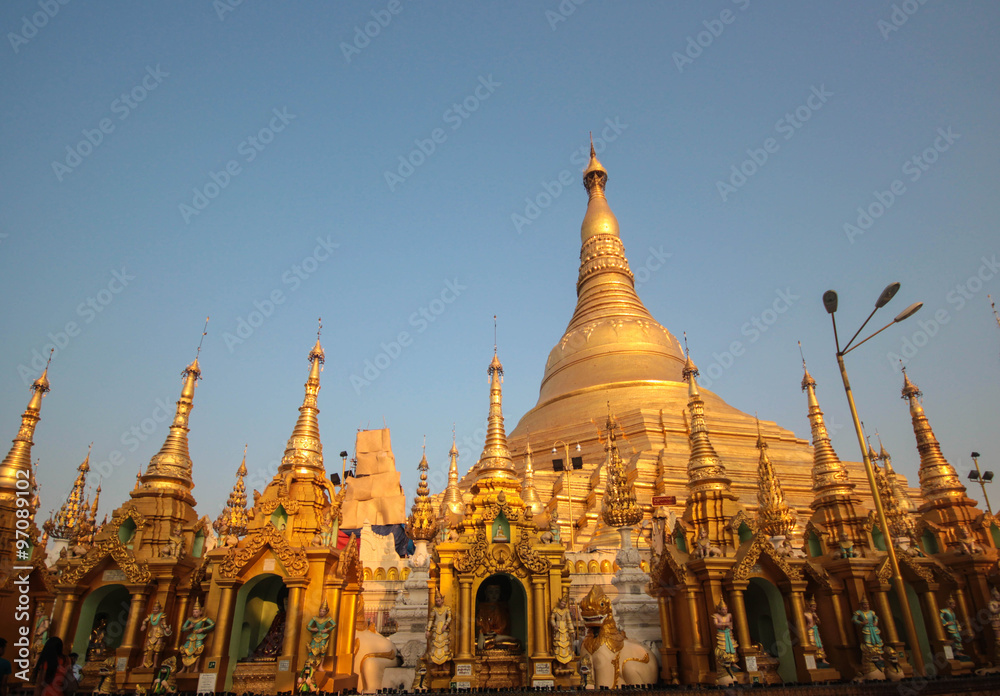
401	167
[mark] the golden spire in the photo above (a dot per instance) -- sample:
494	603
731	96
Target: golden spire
938	481
899	523
495	461
170	468
67	518
905	502
705	468
660	485
452	499
421	523
530	495
235	515
304	451
829	475
618	507
611	336
92	518
774	517
18	459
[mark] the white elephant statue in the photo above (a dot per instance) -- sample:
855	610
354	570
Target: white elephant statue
616	660
373	653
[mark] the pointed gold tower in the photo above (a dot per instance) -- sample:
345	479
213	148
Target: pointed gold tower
774	517
945	501
531	498
233	518
422	523
17	464
495	476
66	523
906	503
304	452
619	508
711	501
451	503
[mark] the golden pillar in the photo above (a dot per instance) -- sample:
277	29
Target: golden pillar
797	606
293	627
539	618
466	619
885	614
65	615
223	623
934	617
739	612
182	604
693	612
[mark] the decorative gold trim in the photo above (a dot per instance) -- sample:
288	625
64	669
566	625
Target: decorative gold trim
293	560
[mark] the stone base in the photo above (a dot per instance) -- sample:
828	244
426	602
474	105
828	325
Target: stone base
959	667
821	674
398	678
874	675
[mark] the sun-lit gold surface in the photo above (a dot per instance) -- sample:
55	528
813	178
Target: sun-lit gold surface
619	508
422	523
774	518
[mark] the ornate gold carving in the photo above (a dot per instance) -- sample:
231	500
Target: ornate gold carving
293	560
761	545
619	507
531	560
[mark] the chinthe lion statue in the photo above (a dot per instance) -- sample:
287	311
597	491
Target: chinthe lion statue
617	660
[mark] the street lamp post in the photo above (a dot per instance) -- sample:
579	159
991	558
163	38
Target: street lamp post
830	302
982	477
567	482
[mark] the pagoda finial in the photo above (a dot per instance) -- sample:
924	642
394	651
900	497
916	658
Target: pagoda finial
829	475
618	507
705	468
66	523
774	517
495	460
304	450
530	495
17	463
421	524
452	499
939	482
234	515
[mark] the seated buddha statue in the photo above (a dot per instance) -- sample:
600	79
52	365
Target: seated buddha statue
493	622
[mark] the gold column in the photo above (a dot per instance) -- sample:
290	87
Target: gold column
466	619
739	612
666	627
838	613
66	615
892	636
963	607
798	616
693	611
937	630
223	622
182	603
135	610
293	627
539	618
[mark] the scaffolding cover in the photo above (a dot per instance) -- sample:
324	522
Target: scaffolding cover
374	494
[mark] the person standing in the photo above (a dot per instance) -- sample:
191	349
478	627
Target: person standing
5	668
53	675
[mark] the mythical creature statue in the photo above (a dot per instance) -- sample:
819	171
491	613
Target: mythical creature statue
198	627
616	660
106	677
373	653
165	683
704	547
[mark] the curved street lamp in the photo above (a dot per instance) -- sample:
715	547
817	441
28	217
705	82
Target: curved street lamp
567	468
982	478
830	303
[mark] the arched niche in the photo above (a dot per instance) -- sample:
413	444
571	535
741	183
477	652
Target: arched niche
511	597
768	624
110	601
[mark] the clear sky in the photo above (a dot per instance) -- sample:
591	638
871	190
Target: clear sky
402	167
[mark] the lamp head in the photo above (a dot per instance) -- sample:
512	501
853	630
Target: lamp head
830	301
987	476
908	312
890	291
343	454
973	475
976	455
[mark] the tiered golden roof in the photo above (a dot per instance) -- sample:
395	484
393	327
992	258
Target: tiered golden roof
234	516
774	517
304	451
830	477
938	481
451	502
66	523
422	523
18	459
705	469
495	477
170	469
898	490
619	508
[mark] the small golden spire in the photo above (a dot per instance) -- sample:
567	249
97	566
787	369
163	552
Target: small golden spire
421	524
905	502
618	507
452	499
938	480
17	463
774	517
66	522
829	475
235	515
705	468
495	461
304	450
530	495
